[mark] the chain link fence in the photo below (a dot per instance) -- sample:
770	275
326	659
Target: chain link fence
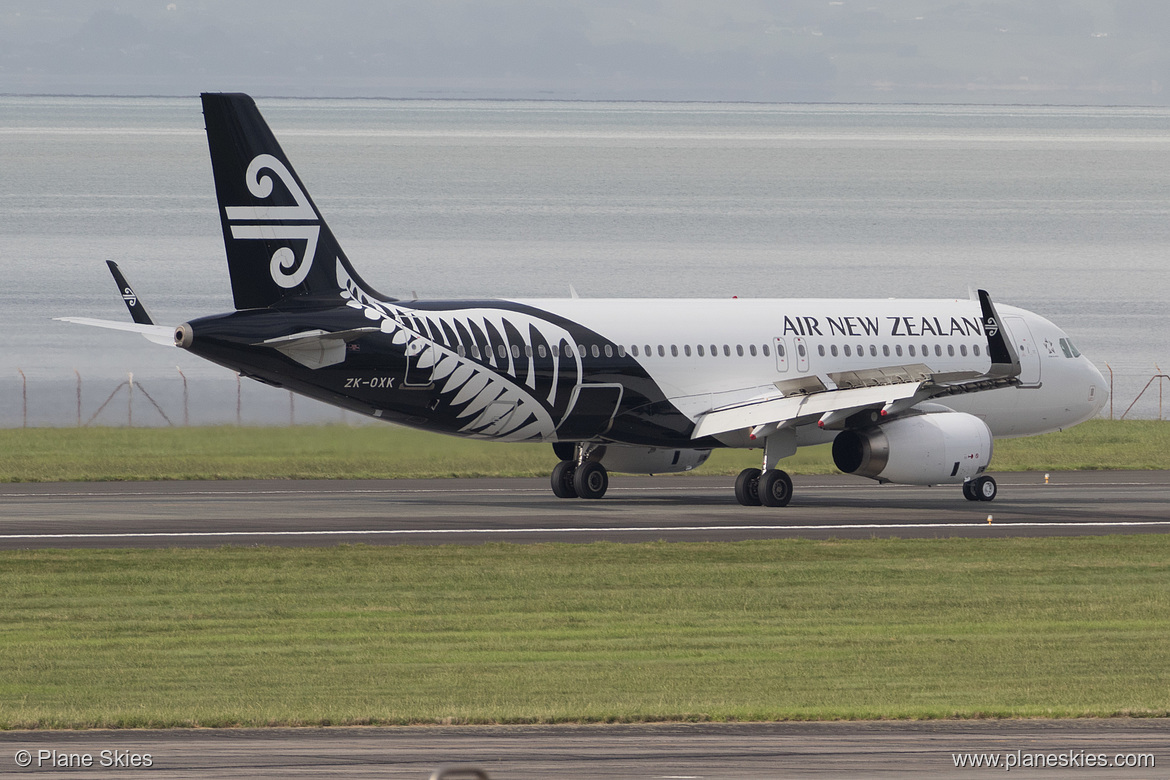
156	400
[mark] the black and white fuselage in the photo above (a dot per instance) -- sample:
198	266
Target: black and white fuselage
908	390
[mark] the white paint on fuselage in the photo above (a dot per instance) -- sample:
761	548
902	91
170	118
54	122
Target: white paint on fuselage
1070	390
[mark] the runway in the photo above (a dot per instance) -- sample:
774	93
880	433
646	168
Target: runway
1129	748
473	511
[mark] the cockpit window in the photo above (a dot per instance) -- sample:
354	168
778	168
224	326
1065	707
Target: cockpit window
1064	348
1076	352
1070	349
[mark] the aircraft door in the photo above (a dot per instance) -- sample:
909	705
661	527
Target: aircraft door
801	353
781	347
1026	347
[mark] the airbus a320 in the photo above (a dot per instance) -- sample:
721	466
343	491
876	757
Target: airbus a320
908	391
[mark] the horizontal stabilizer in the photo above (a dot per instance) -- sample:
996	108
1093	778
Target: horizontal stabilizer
159	334
315	348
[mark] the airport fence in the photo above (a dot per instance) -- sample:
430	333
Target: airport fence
176	398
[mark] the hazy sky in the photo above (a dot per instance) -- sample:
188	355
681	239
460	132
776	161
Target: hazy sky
990	51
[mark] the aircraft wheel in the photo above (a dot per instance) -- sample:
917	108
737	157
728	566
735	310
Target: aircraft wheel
969	490
985	488
775	488
747	487
562	479
591	480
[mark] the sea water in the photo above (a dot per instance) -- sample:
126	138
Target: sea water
1061	210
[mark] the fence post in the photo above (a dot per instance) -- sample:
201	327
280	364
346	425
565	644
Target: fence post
130	400
292	410
1110	390
78	375
23	398
238	423
186	417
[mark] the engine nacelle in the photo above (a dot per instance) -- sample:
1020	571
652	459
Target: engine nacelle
652	460
923	449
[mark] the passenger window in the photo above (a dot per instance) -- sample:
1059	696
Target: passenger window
609	350
699	350
673	350
767	351
634	350
621	350
515	352
739	349
528	350
975	349
779	349
726	350
963	350
938	350
649	351
596	352
950	350
541	351
833	350
581	350
912	350
475	351
821	350
752	349
661	351
800	350
848	352
886	350
714	351
898	349
860	350
925	351
461	351
872	350
687	350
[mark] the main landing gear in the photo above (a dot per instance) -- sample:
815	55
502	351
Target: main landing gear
576	476
980	489
754	487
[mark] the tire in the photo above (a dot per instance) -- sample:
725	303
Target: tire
985	489
747	487
591	480
562	479
969	490
775	488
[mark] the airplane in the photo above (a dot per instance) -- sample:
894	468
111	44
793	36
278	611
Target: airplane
908	391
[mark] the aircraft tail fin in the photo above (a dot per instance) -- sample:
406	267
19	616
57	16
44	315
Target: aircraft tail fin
278	245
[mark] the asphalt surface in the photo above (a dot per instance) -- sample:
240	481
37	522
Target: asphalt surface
470	511
676	751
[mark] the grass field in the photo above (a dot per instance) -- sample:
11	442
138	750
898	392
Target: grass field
600	632
383	451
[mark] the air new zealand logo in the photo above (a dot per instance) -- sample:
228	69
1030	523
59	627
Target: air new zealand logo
130	298
991	327
272	223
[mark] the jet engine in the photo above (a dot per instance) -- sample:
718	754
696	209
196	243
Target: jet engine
652	460
922	449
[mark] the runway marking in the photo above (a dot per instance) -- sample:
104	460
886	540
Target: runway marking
602	530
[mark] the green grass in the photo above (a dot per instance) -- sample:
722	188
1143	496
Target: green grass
585	633
383	451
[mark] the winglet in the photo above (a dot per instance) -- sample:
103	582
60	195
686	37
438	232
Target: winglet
1004	359
137	308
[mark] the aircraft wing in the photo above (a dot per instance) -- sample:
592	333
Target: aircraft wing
159	334
883	391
